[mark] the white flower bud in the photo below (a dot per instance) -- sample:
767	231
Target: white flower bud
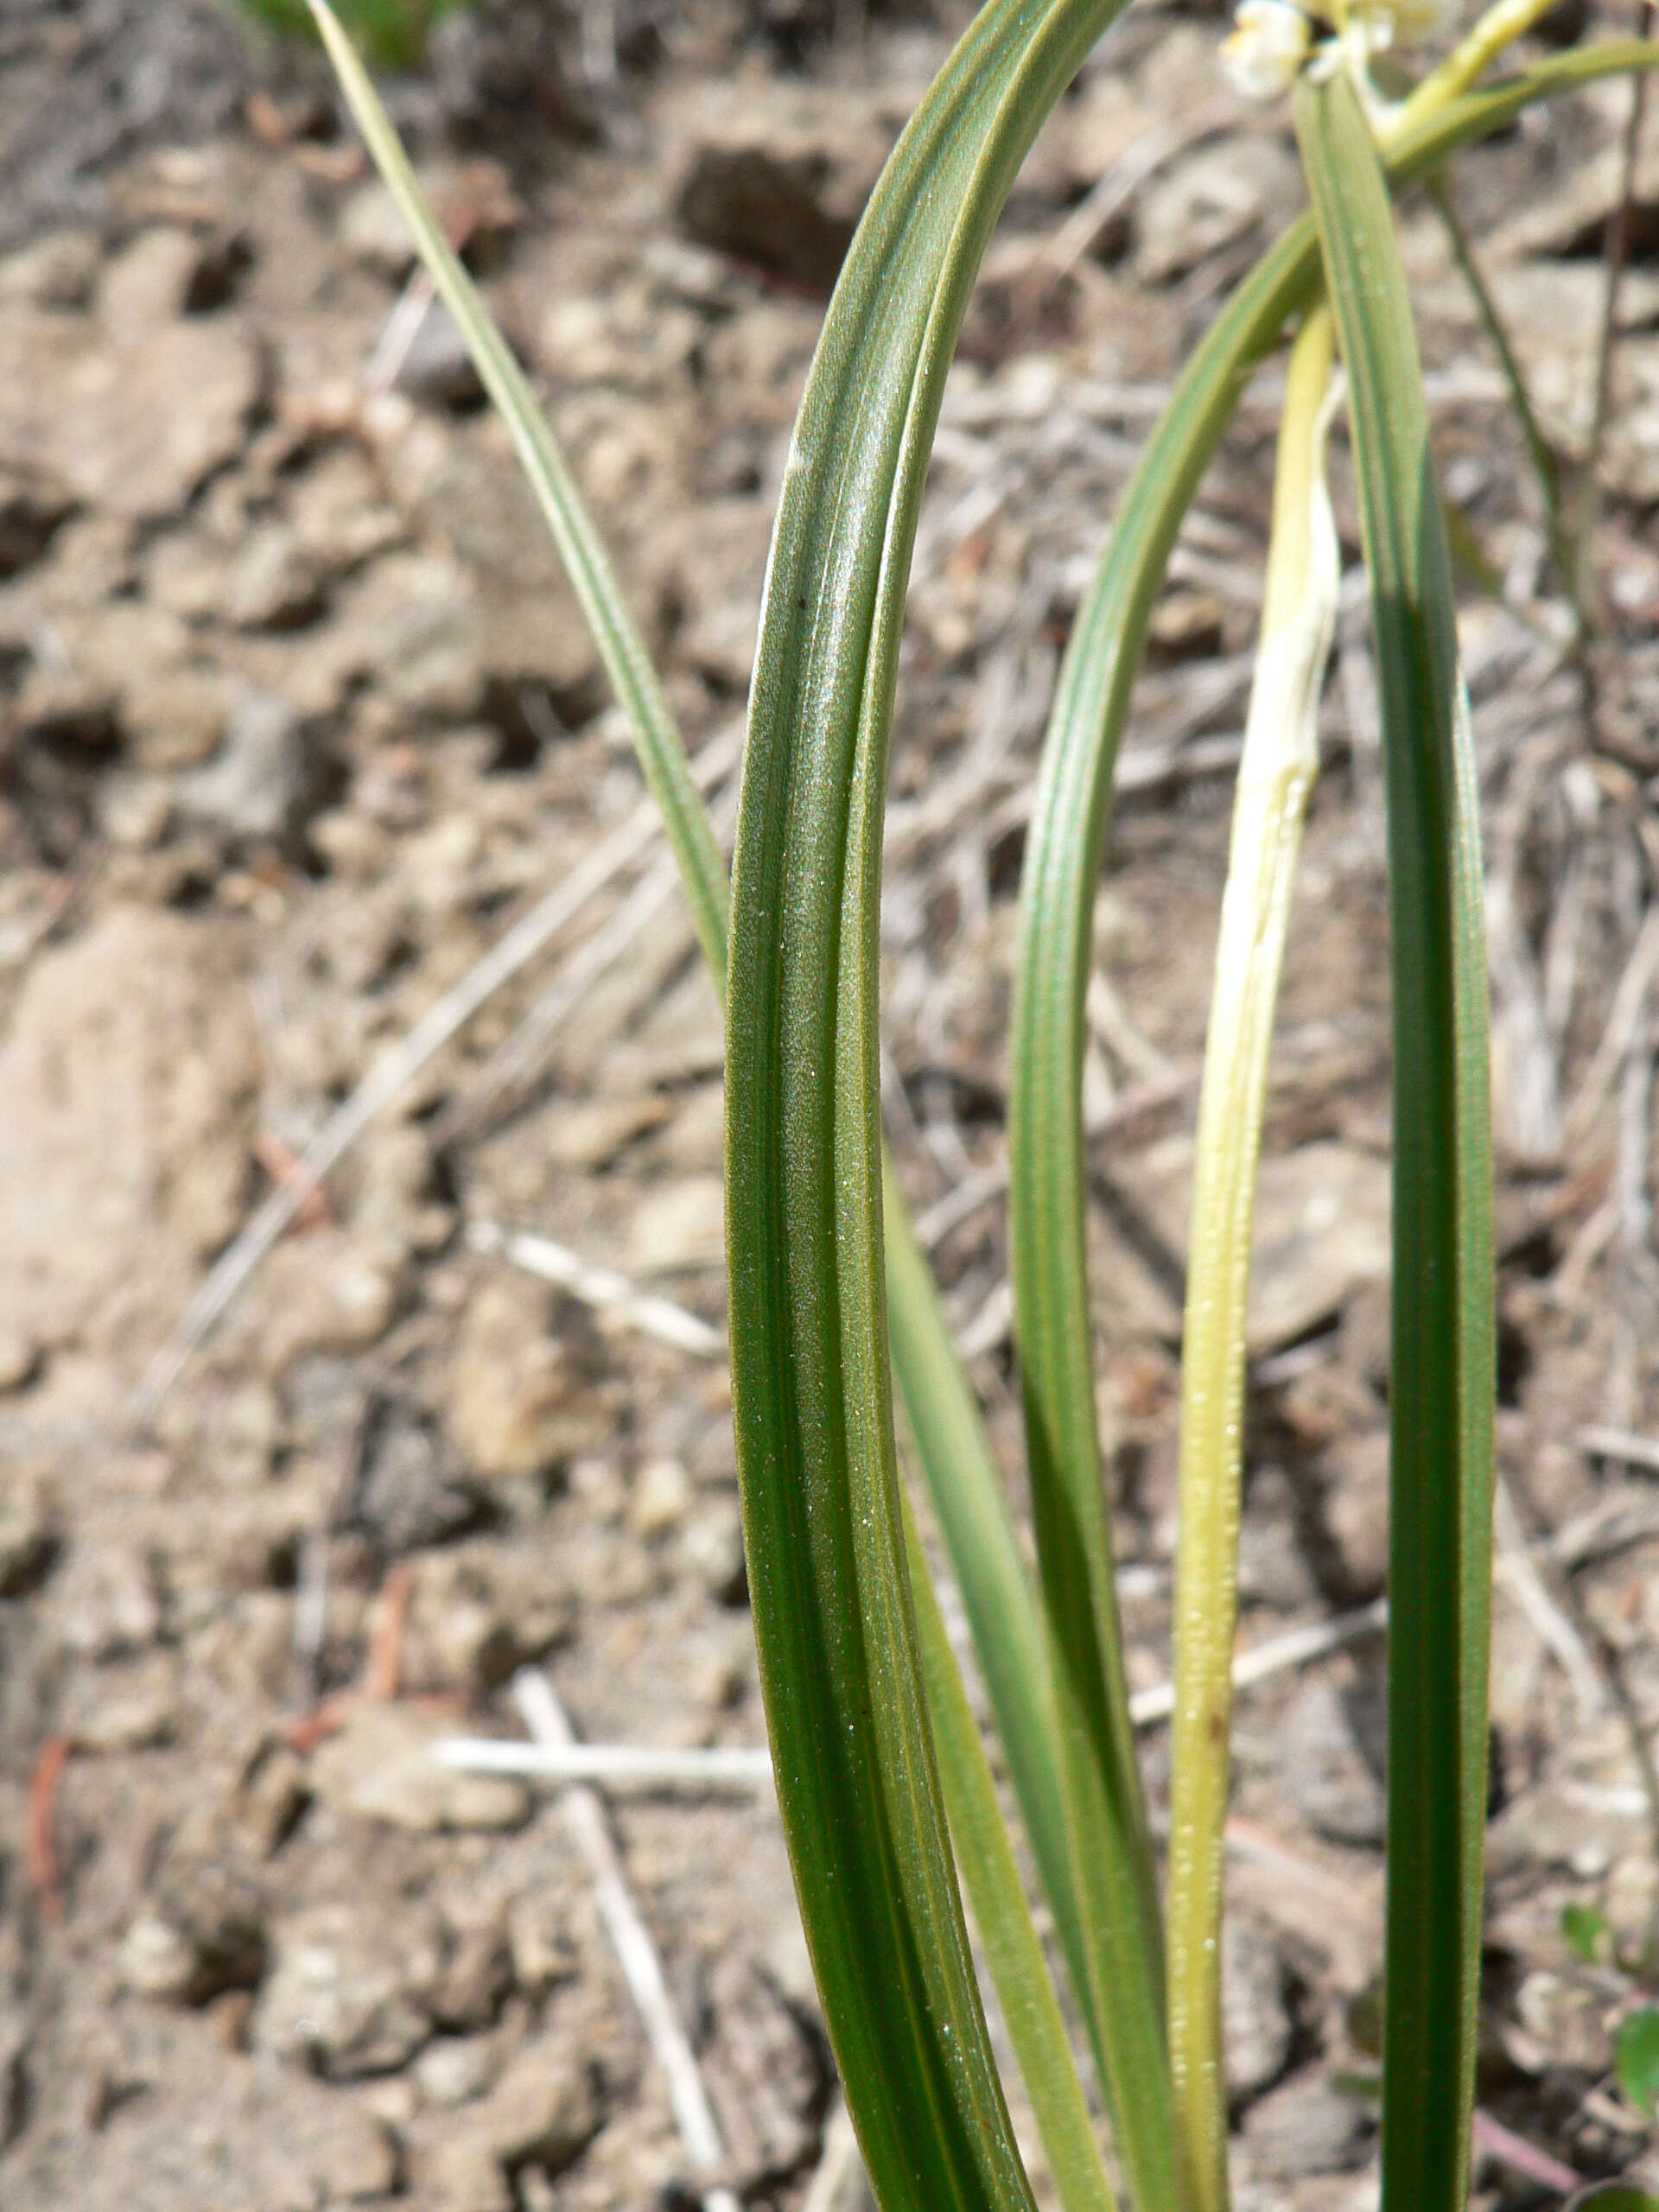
1270	41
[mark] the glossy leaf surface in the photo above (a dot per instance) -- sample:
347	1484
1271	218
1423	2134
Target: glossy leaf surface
1443	1381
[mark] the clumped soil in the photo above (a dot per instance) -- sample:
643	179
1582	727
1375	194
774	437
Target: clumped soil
297	717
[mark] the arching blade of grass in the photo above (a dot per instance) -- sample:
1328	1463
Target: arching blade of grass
945	1422
833	1616
942	1413
1275	778
1112	1858
1062	857
1015	1956
1443	1381
627	664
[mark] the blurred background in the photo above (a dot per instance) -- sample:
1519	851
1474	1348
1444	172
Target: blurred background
298	720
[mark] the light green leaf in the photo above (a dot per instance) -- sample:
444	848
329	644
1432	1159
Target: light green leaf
1586	1932
621	649
1444	1378
1015	1956
1635	2058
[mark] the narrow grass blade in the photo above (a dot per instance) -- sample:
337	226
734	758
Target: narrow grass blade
1275	778
1444	1377
1110	1846
1539	452
835	1624
1012	1948
936	1395
1111	1860
950	1435
627	663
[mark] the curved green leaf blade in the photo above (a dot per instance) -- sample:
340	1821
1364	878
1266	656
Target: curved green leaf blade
944	1417
1111	1851
857	1786
1015	1955
1064	848
1443	1385
949	1435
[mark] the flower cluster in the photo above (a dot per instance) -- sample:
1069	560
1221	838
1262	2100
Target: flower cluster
1272	40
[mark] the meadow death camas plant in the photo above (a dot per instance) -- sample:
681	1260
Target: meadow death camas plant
882	1777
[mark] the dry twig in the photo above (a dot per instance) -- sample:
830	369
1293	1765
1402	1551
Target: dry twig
600	1288
584	1816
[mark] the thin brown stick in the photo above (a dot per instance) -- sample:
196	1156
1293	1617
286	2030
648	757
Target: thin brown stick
40	1808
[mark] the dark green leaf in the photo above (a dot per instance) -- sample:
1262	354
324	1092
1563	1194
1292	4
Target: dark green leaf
1444	1376
857	1785
945	1421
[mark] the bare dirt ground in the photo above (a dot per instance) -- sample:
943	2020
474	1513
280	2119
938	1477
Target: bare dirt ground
297	718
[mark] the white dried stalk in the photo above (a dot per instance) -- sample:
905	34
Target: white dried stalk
584	1816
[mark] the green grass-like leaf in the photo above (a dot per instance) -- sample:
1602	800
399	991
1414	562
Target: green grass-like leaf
1015	54
803	1199
1064	847
833	1622
1012	1948
944	1418
1635	2058
621	649
948	1433
1443	1385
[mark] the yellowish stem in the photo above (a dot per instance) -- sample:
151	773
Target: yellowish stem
1474	54
1281	759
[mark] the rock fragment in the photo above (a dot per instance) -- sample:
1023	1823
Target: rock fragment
345	1996
523	1395
379	1767
201	1933
1307	2126
114	429
132	1045
1332	1785
539	2116
1256	2017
